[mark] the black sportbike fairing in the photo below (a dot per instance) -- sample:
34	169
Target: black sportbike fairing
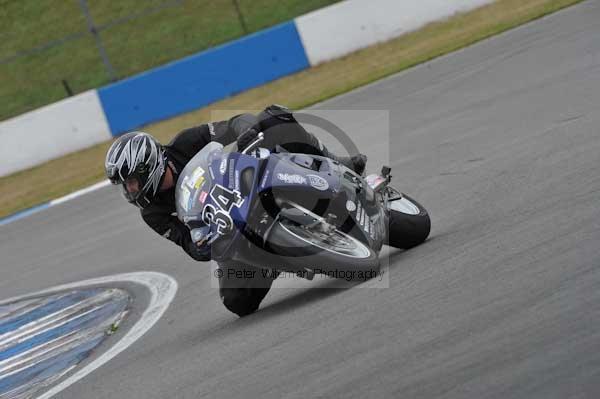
324	188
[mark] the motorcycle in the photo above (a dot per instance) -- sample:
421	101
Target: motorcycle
298	213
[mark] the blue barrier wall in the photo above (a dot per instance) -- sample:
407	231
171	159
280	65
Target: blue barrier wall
204	78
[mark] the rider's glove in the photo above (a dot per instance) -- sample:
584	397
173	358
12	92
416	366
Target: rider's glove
246	138
200	252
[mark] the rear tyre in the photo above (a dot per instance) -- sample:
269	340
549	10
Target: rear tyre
409	223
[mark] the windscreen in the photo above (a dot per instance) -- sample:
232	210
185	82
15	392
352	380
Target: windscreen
195	182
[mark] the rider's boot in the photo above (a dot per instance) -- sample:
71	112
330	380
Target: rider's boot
357	162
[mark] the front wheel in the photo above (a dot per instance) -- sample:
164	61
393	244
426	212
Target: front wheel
327	252
409	223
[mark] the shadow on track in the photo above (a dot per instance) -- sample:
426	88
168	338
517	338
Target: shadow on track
309	295
229	327
300	298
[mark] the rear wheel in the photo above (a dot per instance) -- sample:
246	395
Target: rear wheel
409	223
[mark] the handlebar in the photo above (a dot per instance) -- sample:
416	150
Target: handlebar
251	146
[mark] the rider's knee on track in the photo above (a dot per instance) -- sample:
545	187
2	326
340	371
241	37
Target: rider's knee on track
238	302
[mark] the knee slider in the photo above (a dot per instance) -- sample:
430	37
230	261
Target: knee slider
241	305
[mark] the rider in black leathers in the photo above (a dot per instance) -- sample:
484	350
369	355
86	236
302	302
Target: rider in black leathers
158	208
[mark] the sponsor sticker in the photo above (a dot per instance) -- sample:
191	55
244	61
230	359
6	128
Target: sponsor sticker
318	182
264	219
184	198
196	180
200	182
197	173
202	197
231	174
291	178
223	166
363	219
350	206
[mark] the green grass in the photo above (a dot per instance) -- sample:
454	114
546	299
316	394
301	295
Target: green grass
167	30
71	172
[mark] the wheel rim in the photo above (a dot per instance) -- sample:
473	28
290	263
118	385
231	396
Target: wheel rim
404	205
336	241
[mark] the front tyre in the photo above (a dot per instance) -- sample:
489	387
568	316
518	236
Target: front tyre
409	223
332	252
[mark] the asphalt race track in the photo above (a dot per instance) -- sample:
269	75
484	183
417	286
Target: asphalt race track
501	142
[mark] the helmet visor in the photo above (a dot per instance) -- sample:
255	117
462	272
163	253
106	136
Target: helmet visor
132	188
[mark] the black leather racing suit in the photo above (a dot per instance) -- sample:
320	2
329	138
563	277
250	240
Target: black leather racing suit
279	127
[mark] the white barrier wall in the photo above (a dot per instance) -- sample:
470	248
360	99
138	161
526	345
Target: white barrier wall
345	27
80	121
51	131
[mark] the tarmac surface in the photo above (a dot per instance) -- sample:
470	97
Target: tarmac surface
500	142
